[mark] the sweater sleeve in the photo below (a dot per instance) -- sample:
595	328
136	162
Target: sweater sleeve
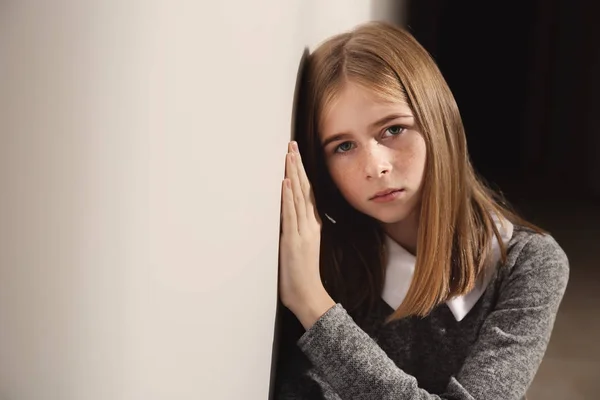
502	362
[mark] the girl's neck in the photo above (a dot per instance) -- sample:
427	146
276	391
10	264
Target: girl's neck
405	232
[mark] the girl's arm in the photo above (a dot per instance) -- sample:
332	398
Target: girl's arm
501	365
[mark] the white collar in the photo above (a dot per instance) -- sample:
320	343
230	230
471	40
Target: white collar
401	266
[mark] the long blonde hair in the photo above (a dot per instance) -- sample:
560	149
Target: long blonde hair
456	223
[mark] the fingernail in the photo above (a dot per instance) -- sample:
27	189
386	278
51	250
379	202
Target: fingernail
295	146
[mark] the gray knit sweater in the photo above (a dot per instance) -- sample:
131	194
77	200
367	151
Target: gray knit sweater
492	354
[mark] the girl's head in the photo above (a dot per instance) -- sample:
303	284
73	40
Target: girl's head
378	116
384	118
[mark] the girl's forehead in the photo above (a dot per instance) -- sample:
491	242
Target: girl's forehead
361	96
354	95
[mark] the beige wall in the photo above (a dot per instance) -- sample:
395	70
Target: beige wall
141	153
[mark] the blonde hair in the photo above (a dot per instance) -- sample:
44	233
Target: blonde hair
456	215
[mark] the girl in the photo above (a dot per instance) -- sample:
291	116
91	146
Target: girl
410	278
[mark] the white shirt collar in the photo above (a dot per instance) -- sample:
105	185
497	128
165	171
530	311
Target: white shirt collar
401	266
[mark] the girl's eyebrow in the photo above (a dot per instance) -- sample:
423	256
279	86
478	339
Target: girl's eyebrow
335	138
389	118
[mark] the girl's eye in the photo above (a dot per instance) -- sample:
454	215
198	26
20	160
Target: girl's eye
394	130
344	147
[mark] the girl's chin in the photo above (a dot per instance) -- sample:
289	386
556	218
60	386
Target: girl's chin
389	218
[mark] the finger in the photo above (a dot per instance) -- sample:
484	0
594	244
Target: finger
304	182
288	212
311	208
299	201
309	198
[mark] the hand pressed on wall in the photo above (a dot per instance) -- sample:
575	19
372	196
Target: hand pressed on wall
300	286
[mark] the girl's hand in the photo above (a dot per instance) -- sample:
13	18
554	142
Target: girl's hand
300	284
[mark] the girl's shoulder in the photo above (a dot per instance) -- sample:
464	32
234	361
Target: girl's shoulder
536	257
528	244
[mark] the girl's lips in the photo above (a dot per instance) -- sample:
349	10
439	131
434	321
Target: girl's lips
387	195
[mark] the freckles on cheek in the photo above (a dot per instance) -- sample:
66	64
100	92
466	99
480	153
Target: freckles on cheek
334	171
406	162
343	175
410	164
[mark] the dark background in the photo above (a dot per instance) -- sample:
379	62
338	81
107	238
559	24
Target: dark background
526	78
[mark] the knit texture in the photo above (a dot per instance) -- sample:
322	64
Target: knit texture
492	354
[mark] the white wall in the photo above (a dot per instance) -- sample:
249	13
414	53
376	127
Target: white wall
141	153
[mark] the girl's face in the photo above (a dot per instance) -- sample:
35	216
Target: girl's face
374	153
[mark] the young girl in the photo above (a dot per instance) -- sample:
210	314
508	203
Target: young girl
411	279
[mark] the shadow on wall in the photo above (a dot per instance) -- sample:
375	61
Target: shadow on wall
286	325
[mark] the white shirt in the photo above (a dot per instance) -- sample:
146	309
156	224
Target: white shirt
401	266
